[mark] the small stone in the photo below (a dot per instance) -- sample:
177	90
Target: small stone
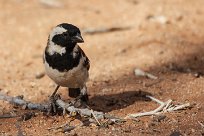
39	75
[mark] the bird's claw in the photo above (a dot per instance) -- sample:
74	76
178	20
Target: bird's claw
79	101
52	104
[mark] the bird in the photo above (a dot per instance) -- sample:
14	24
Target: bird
66	63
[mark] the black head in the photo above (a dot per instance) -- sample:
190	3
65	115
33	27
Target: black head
66	35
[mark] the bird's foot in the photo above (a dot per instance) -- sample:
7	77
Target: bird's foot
52	109
80	101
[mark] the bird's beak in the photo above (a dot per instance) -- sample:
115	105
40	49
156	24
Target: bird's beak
77	38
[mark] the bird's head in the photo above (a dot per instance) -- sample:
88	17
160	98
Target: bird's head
65	35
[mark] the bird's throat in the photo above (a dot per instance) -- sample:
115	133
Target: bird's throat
70	46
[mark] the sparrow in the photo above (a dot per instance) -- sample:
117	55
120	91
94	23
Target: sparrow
65	62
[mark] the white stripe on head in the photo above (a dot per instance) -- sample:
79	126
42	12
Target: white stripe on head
56	30
52	47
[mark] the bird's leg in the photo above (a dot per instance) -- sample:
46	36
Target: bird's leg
53	94
82	98
74	92
52	101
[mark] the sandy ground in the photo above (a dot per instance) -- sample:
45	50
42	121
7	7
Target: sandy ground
165	39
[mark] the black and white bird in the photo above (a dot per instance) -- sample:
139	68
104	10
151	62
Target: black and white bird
65	62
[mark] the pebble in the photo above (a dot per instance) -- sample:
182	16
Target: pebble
39	75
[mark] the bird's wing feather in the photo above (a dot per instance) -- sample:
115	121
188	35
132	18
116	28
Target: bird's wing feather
86	62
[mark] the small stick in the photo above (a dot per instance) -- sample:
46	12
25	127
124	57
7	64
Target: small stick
104	30
139	72
45	107
202	125
149	113
95	118
20	102
179	107
167	104
155	99
163	108
84	112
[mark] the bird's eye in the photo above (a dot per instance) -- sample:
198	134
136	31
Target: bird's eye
65	34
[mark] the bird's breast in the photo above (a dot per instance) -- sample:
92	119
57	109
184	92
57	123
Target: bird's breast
74	77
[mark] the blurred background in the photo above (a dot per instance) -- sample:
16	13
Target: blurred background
163	37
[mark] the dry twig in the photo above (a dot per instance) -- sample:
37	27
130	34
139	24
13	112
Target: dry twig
163	108
104	30
18	101
139	72
201	124
92	112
